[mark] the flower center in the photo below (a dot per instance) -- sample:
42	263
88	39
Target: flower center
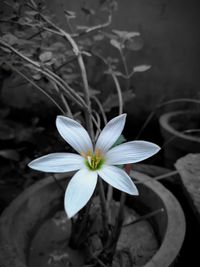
94	161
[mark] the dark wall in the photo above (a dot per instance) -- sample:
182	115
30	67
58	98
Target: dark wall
170	29
171	36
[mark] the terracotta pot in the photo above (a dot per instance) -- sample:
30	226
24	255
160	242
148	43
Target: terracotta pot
20	220
178	143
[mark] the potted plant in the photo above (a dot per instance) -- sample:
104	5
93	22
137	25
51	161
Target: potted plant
180	130
22	227
56	67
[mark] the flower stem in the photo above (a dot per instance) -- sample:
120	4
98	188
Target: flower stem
112	243
104	210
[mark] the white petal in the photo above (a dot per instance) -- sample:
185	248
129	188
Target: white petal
79	191
131	152
118	178
58	162
74	134
110	133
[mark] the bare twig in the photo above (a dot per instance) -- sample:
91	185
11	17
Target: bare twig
115	79
158	106
157	178
119	91
77	53
98	120
145	217
190	100
125	68
189	131
149	118
67	107
101	109
36	86
58	183
35	65
94	28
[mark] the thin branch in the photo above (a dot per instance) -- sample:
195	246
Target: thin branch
36	86
76	51
145	217
96	123
45	71
65	87
190	100
58	183
98	120
65	63
189	131
67	107
149	118
101	109
125	68
157	178
94	28
119	91
115	79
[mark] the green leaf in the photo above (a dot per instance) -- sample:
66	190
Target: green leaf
10	38
141	68
134	44
46	56
88	11
113	100
116	44
82	27
118	73
86	53
31	13
93	92
120	140
37	76
70	78
126	35
98	37
70	14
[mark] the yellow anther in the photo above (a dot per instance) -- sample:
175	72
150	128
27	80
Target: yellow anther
86	154
93	159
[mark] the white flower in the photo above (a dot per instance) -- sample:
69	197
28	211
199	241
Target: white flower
92	162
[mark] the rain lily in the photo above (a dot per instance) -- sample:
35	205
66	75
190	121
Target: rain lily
93	162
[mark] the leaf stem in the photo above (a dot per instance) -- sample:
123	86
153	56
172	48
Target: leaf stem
125	69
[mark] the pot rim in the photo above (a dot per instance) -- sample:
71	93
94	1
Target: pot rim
164	122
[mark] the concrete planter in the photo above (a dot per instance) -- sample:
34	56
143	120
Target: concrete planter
178	143
20	220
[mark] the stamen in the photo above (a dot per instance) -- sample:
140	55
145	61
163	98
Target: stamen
89	160
93	161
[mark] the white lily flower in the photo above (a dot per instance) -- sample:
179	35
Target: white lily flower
92	162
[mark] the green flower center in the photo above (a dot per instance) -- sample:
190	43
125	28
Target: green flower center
94	161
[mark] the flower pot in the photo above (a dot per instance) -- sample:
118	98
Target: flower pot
20	220
177	142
